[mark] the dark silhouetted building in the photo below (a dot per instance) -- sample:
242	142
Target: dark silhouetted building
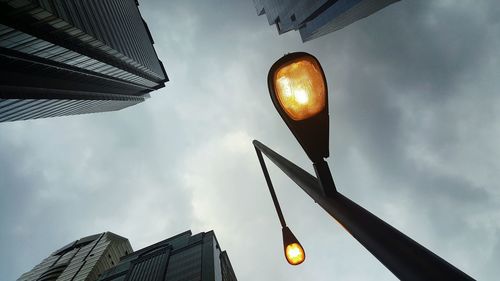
65	57
81	260
315	18
183	257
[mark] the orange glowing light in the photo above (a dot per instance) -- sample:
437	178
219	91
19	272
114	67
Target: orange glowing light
295	254
300	88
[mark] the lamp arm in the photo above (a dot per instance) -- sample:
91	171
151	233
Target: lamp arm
403	256
271	188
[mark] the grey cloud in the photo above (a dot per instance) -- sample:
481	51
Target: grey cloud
413	115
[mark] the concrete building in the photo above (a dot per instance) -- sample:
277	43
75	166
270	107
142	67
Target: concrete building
81	260
184	257
315	18
65	57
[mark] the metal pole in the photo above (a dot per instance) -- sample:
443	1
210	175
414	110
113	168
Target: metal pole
271	188
404	257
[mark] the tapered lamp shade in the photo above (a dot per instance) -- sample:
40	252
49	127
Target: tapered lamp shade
294	253
300	88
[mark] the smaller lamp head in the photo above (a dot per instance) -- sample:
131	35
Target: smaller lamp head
298	89
294	253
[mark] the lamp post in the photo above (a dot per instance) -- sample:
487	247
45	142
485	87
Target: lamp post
293	250
298	89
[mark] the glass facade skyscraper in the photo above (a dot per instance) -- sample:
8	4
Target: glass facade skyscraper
109	257
183	257
81	260
65	57
315	18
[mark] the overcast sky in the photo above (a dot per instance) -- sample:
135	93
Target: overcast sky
414	138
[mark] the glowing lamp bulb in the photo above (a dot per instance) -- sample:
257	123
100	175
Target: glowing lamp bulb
295	254
300	88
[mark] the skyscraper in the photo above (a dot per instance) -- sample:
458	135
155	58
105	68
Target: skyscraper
183	257
315	18
83	259
65	57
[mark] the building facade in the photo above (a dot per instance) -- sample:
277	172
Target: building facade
65	57
183	257
315	18
81	260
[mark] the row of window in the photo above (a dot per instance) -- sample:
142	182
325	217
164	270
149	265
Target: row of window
38	269
185	264
95	22
111	22
149	269
25	43
15	109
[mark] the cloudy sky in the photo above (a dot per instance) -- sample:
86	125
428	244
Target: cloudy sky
414	138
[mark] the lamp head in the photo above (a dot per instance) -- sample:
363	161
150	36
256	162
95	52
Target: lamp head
298	89
294	253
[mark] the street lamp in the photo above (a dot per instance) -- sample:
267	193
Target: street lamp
299	92
298	89
293	250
